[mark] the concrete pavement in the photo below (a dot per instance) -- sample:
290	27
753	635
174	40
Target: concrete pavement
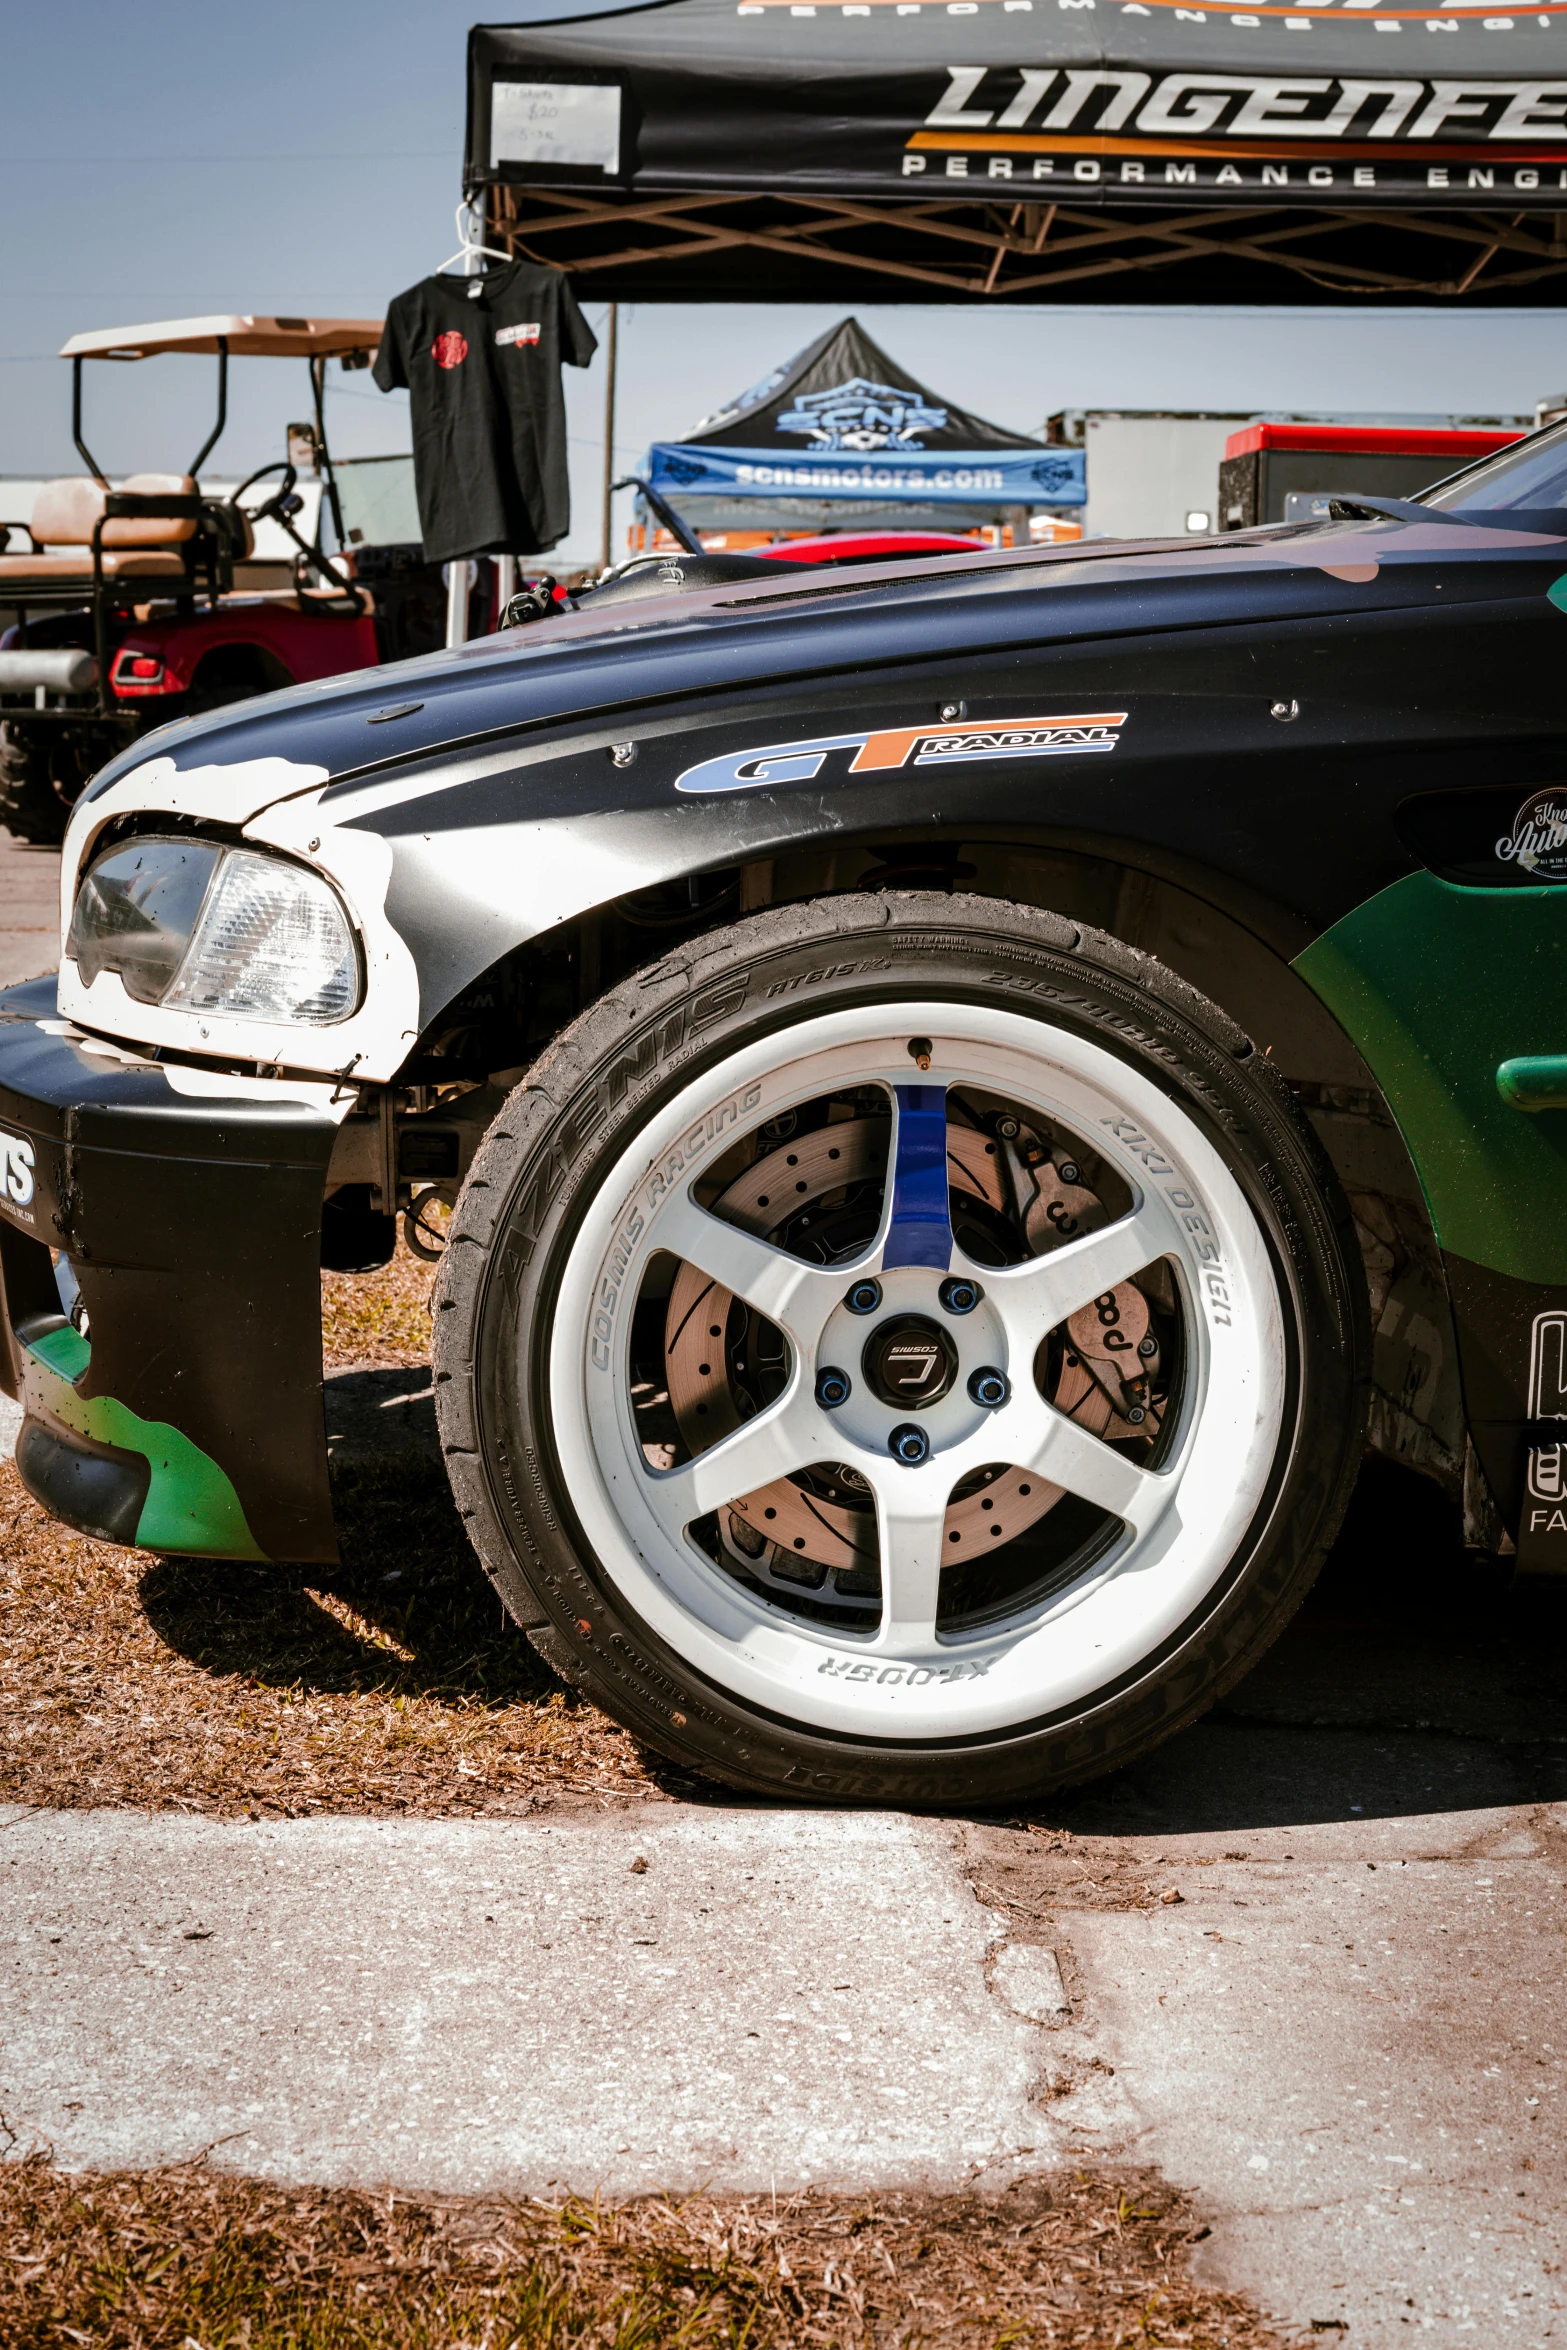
1349	2044
670	1999
1355	2056
29	910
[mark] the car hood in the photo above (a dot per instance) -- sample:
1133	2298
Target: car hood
583	666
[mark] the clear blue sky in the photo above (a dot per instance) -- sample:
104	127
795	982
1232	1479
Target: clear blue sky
172	159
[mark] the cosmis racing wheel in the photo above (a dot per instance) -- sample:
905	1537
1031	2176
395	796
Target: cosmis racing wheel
903	1348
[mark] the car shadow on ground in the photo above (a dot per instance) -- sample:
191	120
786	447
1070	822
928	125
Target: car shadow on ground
1415	1679
408	1611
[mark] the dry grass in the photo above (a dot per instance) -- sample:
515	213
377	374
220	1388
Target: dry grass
391	1683
190	2260
378	1320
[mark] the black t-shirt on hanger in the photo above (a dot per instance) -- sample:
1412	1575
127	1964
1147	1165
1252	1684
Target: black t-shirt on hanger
481	358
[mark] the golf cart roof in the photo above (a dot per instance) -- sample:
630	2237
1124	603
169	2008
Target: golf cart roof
247	338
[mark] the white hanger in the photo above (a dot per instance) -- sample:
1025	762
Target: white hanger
469	251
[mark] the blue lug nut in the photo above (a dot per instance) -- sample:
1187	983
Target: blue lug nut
959	1296
909	1444
864	1297
989	1387
832	1388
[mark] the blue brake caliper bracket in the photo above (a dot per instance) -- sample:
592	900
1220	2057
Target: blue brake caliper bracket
920	1232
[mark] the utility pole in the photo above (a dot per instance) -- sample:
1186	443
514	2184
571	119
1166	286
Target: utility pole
609	431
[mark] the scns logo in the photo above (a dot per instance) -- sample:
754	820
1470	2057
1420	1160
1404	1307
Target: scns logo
16	1169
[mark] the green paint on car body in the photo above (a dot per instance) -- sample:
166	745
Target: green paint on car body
1438	986
191	1507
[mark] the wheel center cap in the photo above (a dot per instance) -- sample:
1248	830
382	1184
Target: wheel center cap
909	1362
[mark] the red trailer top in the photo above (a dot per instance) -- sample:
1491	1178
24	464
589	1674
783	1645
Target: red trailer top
1388	440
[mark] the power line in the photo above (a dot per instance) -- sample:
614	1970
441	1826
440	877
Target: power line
377	155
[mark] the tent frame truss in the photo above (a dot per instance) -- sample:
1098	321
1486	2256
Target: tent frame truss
1009	250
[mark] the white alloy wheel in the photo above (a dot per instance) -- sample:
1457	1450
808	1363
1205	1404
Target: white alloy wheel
1167	1530
903	1348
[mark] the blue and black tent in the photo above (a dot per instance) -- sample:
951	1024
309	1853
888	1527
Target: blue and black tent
842	436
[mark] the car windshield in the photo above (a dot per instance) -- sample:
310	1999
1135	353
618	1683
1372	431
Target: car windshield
1527	480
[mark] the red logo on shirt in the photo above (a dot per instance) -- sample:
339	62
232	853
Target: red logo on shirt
450	349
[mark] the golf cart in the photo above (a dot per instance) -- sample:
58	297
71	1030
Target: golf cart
131	606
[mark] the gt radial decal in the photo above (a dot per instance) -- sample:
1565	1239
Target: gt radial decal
905	746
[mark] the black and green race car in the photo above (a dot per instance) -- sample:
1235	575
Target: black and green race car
967	1093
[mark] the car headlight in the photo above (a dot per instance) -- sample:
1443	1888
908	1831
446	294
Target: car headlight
199	928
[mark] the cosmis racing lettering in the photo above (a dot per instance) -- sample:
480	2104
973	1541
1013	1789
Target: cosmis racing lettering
880	752
517	334
632	1223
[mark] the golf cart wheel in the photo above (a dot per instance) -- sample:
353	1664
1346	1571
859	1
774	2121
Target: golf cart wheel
31	805
905	1349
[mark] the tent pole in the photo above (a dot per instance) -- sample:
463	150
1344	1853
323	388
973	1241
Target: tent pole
609	433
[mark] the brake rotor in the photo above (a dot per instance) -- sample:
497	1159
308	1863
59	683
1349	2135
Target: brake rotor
801	1528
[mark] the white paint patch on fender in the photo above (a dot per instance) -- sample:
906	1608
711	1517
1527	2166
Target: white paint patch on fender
219	1085
360	863
100	1046
528	878
210	1085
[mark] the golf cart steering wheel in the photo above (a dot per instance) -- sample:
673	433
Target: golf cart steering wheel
276	506
281	507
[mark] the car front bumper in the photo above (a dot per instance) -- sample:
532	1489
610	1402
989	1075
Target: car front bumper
189	1417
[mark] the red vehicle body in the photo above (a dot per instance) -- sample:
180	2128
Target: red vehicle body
159	658
123	607
1265	466
871	546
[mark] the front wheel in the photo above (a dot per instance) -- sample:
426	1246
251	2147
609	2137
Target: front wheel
904	1349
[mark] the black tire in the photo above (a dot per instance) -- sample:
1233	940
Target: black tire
30	807
541	1169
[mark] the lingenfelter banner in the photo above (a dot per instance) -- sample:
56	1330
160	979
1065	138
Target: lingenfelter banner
1120	102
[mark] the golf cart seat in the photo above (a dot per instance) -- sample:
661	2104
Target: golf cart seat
67	512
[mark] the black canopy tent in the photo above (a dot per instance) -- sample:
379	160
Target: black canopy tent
1030	150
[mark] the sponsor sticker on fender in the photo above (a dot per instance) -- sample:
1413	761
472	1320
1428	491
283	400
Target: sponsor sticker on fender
946	745
16	1174
1542	1522
1547	1476
1538	840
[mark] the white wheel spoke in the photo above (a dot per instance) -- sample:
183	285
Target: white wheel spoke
1036	1297
911	1511
788	1436
797	1297
1031	1435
